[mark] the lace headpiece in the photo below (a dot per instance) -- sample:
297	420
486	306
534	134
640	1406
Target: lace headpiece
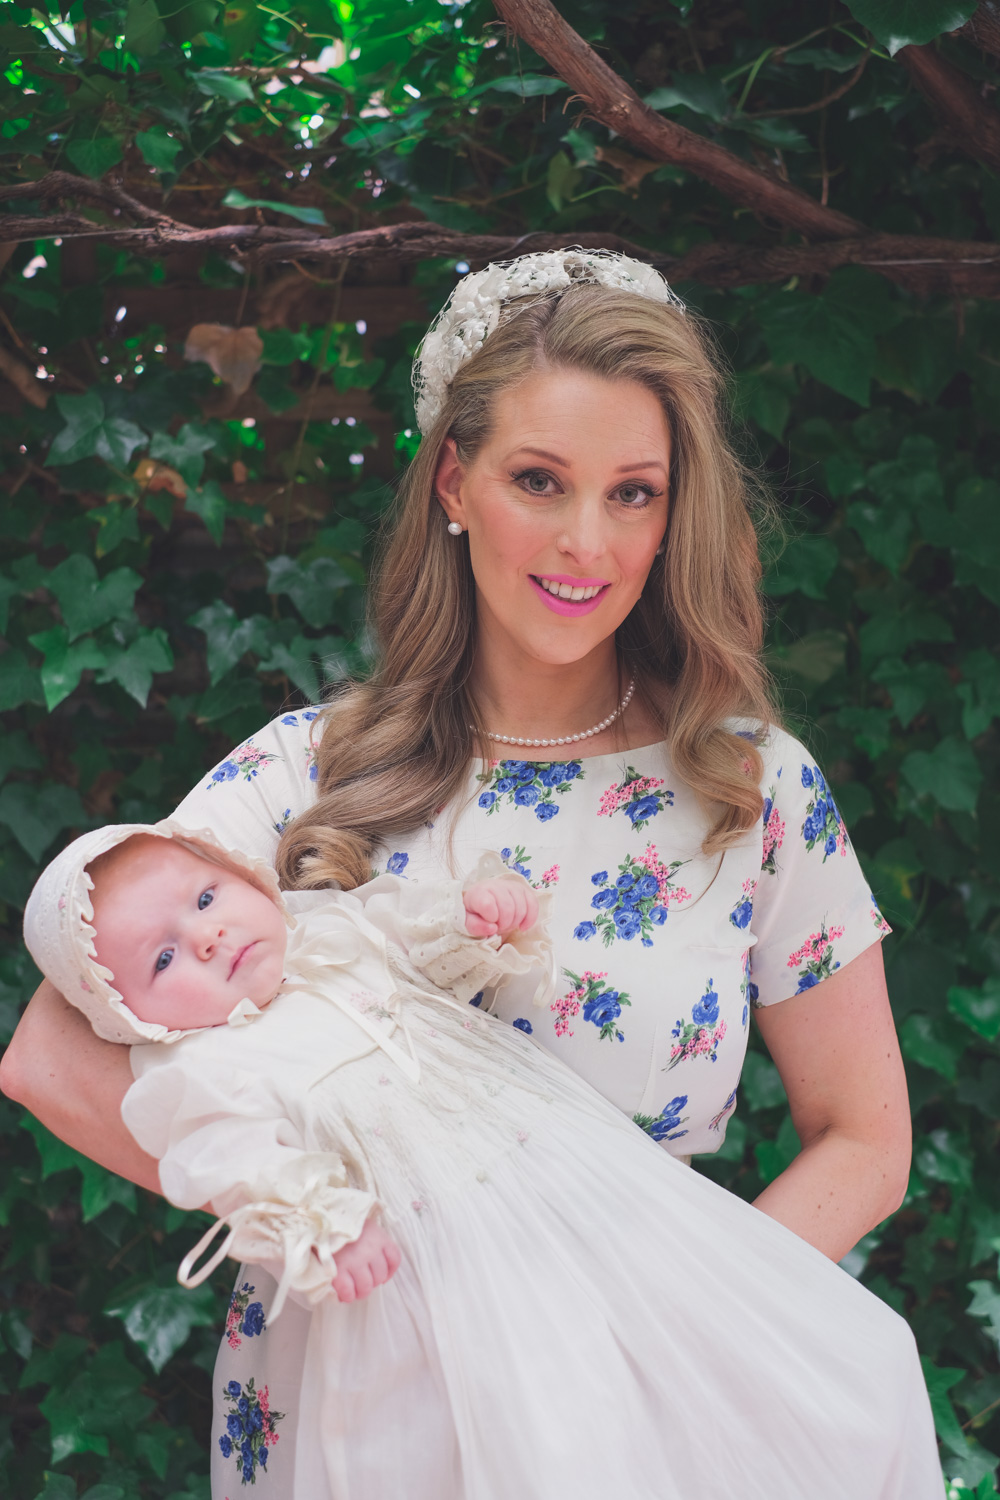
58	921
472	311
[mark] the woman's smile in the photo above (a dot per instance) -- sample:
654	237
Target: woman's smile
566	596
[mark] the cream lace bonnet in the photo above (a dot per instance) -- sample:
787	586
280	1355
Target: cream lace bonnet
59	913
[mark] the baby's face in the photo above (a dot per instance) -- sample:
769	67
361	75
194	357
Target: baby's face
185	940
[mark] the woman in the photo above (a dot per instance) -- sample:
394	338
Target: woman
569	671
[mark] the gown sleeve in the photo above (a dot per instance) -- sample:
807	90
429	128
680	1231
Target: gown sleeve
250	797
427	923
223	1136
813	910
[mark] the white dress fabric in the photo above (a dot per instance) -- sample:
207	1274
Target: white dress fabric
576	1313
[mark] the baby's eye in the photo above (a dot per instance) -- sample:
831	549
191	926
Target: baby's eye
205	899
164	960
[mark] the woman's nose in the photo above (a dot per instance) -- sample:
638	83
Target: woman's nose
583	536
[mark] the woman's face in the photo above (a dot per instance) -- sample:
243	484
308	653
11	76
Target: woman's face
565	506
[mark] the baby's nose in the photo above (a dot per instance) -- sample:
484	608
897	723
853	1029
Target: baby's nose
208	938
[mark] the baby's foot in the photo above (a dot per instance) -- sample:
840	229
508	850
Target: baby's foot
367	1263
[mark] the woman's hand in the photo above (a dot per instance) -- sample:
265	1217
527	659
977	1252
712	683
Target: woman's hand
74	1083
836	1050
371	1261
499	906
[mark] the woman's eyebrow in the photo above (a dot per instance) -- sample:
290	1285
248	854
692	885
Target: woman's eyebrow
553	458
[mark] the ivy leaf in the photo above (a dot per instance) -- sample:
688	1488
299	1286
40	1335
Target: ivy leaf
911	686
222	85
940	1380
297	661
312	589
885	534
904	23
765	396
185	452
977	535
159	148
228	638
209	503
978	1009
932	1043
233	353
144	31
95	157
87	601
562	181
17	753
100	1187
815	658
949	773
63	664
695	91
134	666
235	199
160	1318
525	85
19	682
805	566
36	814
825	337
980	693
943	1156
90	433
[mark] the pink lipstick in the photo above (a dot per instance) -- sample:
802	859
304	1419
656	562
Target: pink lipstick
570	606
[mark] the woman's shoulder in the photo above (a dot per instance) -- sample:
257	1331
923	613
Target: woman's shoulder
781	752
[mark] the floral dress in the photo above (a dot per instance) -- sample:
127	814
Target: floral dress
661	954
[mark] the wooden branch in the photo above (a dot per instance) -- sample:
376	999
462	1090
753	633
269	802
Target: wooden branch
971	123
612	102
23	379
921	265
66	185
983	31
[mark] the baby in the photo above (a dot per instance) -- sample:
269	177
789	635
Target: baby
191	943
563	1308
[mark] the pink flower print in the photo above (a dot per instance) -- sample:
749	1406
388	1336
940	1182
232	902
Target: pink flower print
668	892
245	762
814	960
880	923
550	876
774	834
639	797
700	1036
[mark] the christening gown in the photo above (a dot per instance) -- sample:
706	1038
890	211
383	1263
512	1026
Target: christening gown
577	1313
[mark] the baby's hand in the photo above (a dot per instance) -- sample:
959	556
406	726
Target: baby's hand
503	906
370	1261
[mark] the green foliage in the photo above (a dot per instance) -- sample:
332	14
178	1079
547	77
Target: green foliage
178	564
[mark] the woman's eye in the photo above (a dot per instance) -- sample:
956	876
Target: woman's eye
535	481
205	899
634	496
164	960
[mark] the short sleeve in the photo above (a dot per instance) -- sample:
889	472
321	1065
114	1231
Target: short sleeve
813	910
252	795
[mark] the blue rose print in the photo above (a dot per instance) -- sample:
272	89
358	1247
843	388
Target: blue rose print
253	1320
226	1444
584	930
397	863
250	1429
822	825
522	1025
601	1006
528	783
663	1127
706	1011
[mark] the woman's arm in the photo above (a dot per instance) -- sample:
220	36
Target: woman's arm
69	1078
836	1050
75	1083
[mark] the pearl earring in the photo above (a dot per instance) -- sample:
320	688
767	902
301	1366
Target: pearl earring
455	529
661	549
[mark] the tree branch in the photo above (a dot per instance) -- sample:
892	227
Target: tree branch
970	121
611	101
921	265
983	31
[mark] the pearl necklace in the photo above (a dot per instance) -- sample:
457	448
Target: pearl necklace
568	739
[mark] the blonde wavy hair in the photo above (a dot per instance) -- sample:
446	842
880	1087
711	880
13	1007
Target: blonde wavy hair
397	748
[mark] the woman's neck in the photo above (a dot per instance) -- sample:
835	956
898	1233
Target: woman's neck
529	699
